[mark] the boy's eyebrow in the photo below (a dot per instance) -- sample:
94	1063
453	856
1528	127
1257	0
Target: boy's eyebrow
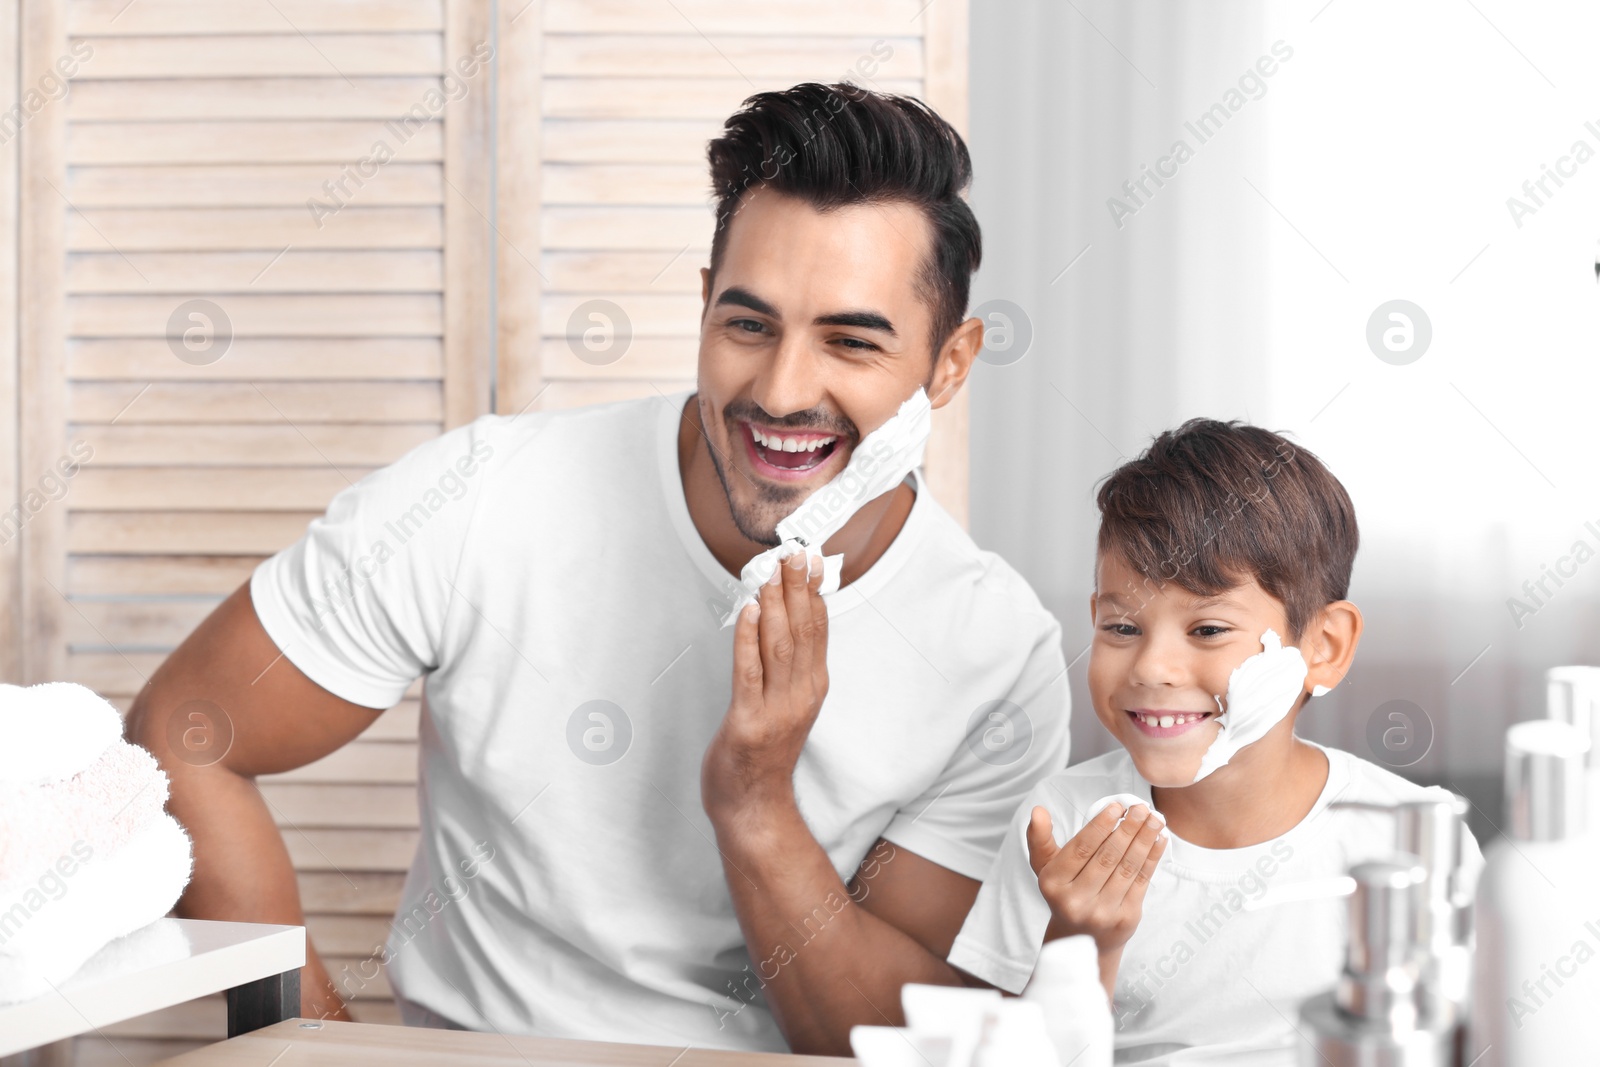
1214	601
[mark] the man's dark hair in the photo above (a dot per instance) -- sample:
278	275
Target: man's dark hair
1213	504
836	145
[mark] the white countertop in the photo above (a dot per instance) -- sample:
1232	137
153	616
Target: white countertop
168	962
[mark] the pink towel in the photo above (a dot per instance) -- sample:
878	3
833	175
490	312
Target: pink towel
98	809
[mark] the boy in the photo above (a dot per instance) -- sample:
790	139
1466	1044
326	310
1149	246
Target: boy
1218	543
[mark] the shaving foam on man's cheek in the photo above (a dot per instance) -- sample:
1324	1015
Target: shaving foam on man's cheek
879	463
1261	691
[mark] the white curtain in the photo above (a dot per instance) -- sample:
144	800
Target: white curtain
1374	163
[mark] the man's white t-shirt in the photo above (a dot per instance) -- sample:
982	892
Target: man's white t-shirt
1200	969
543	572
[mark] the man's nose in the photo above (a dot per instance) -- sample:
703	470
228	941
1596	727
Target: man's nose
790	381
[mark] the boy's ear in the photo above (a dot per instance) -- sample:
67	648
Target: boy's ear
1329	644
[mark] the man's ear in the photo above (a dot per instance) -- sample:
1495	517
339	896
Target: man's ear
954	362
1329	644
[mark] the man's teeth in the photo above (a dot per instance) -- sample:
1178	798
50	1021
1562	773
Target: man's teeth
790	444
1165	721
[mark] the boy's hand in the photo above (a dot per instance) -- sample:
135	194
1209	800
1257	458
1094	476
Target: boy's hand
780	677
1095	883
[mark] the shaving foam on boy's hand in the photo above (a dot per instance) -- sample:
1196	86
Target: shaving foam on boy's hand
1261	691
879	463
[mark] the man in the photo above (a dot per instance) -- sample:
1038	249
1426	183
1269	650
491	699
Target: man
616	841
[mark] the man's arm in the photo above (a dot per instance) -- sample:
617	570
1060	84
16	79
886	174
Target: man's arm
829	956
280	720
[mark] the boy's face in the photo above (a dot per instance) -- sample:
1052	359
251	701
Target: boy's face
1161	651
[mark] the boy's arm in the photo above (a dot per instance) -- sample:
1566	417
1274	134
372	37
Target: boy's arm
1095	883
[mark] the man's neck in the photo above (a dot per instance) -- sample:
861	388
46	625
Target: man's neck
863	539
1261	794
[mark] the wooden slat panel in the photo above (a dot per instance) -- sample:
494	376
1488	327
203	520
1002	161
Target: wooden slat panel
214	532
123	624
353	892
226	229
351	850
468	273
158	575
191	402
708	98
336	143
624	183
247	98
266	315
373	762
561	395
120	18
285	185
349	977
377	1012
670	229
279	55
780	59
260	359
316	804
624	272
626	141
780	17
258	445
348	935
260	272
111	673
647	358
649	314
210	489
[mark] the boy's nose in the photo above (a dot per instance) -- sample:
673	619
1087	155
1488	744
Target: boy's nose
1159	663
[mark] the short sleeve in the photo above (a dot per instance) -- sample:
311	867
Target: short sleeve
358	603
1004	932
959	819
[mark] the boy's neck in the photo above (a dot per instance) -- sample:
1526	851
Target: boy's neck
1261	794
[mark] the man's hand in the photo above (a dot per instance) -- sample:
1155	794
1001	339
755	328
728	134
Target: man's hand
1095	883
780	677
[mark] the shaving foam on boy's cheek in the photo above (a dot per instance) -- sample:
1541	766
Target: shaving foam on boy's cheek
879	463
1261	691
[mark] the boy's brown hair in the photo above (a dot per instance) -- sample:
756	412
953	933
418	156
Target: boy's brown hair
1213	504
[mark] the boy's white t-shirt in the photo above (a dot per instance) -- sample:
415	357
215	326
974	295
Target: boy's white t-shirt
543	572
1200	969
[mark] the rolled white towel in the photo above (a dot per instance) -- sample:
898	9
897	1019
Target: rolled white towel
53	730
101	807
48	929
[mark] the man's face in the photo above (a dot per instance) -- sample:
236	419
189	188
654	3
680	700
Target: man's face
1161	656
813	335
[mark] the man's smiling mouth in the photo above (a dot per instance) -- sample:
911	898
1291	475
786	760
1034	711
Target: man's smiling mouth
787	454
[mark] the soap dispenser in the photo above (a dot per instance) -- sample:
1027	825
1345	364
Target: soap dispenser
1434	829
1572	695
1537	973
1378	1015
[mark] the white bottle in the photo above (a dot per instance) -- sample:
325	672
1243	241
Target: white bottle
1572	694
1066	984
1537	972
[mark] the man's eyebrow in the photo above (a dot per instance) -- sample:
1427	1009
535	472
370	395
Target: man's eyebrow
744	298
866	320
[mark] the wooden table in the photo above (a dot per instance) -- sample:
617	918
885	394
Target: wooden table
306	1043
166	963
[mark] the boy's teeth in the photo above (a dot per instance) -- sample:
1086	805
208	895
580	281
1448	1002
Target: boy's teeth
1166	721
